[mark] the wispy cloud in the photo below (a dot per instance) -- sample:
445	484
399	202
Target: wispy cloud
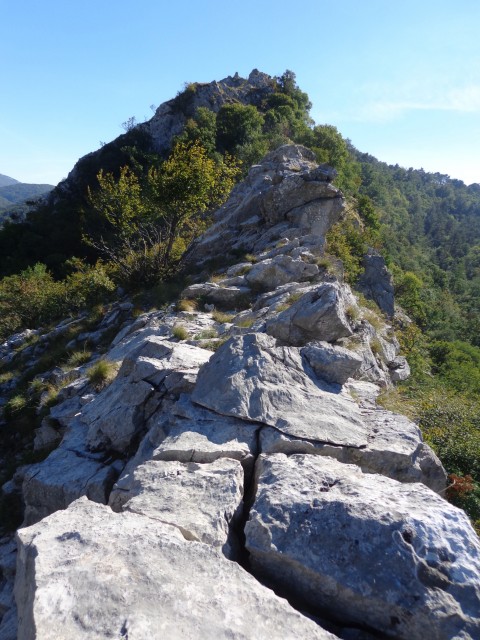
460	99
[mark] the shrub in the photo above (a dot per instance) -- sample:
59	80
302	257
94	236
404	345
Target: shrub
245	323
15	405
206	334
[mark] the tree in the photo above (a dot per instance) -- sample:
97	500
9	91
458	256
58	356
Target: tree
186	186
237	124
119	201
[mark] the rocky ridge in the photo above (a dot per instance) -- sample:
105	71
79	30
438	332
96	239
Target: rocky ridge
253	491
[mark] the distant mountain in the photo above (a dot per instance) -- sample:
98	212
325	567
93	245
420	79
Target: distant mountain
16	192
6	180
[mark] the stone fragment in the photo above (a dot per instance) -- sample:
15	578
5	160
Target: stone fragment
87	573
318	315
392	558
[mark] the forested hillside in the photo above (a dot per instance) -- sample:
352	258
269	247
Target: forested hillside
128	212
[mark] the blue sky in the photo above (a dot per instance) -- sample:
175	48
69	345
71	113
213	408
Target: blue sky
401	80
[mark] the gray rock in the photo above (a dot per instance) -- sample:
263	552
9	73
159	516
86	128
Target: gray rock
395	449
88	573
376	283
393	558
318	315
226	296
332	363
251	378
119	413
269	274
202	500
62	478
195	434
399	369
46	436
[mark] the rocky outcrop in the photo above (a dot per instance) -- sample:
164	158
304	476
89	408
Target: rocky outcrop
284	197
320	314
376	282
193	494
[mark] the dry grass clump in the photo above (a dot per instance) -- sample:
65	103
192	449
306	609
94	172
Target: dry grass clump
180	333
102	373
185	304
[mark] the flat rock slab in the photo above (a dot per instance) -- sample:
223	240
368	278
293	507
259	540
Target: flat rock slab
195	434
250	377
394	558
202	500
395	449
87	573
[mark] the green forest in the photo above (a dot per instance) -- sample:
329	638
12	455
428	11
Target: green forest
133	213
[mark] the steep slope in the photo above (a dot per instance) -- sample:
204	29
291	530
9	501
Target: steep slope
270	451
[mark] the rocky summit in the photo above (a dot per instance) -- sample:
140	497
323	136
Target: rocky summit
237	478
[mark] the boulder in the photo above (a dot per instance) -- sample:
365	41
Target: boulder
203	501
392	558
252	378
269	274
399	369
87	573
320	314
332	363
224	296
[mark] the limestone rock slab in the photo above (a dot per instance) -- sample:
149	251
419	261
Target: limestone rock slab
394	558
62	478
202	500
250	377
271	273
87	573
395	449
